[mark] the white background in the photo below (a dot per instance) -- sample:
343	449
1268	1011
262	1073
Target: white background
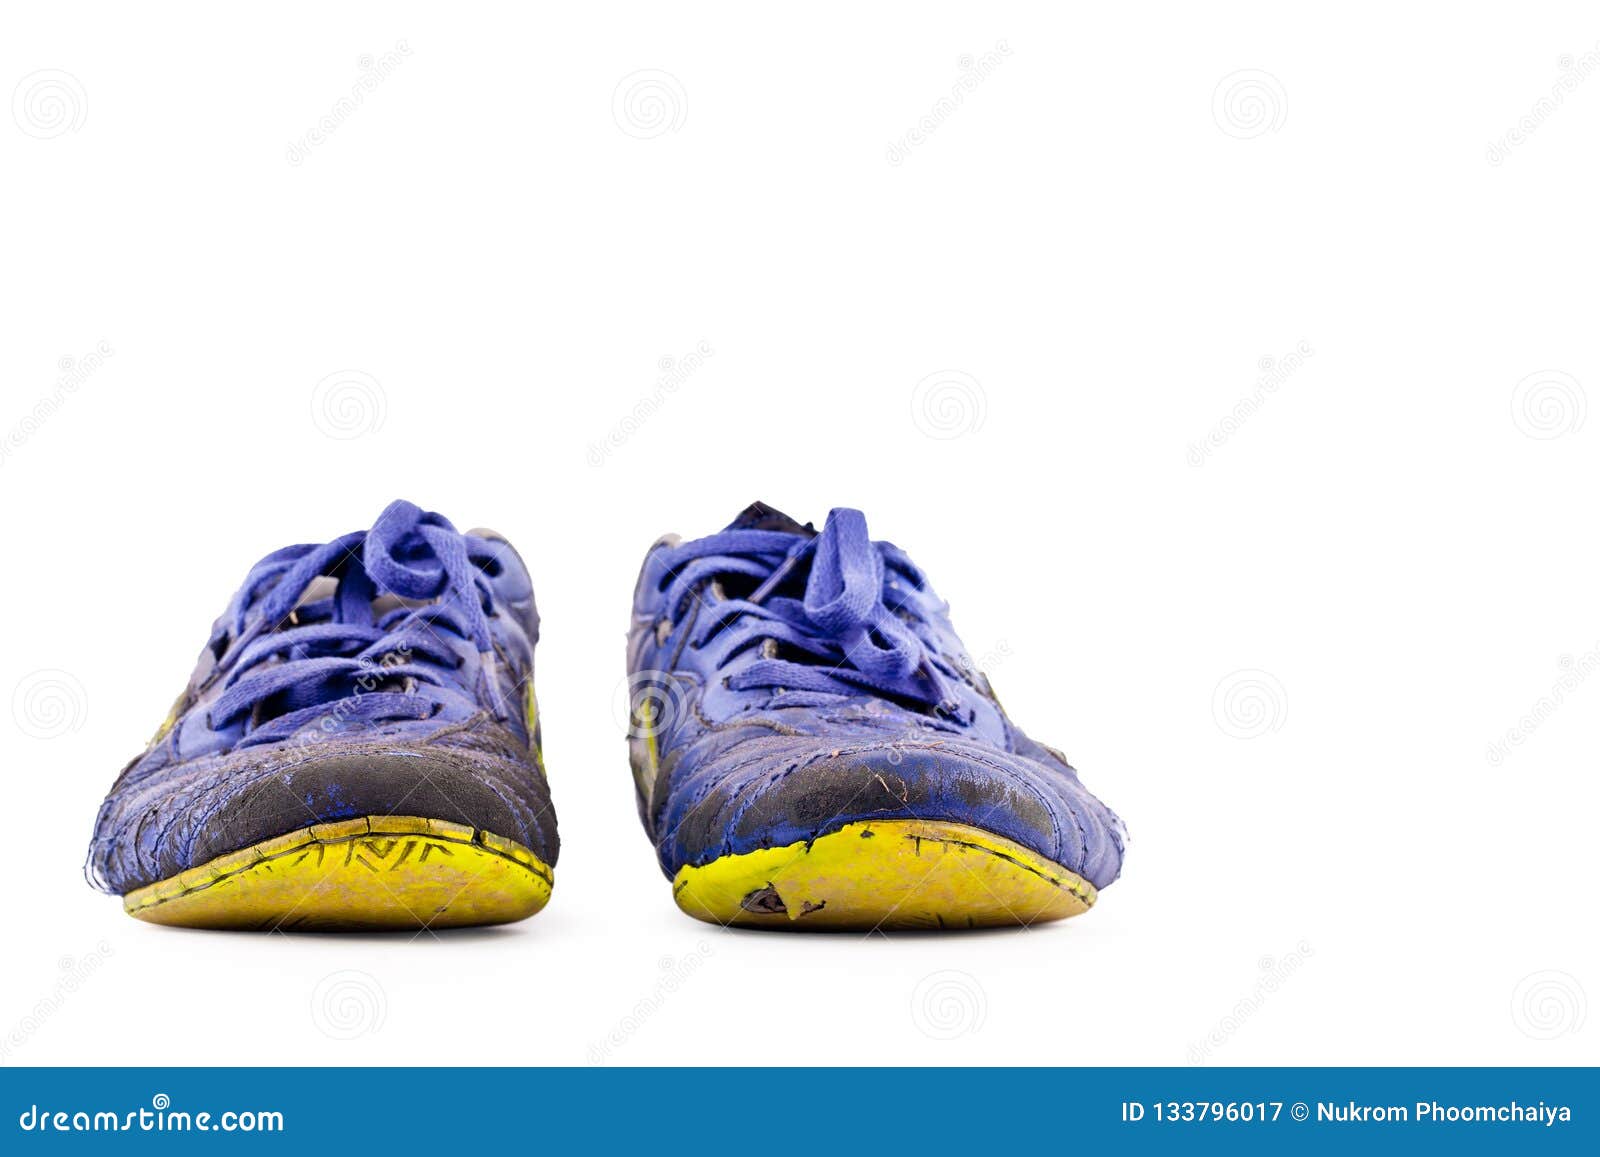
1009	348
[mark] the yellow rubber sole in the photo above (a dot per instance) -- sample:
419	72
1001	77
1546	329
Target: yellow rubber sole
377	873
892	874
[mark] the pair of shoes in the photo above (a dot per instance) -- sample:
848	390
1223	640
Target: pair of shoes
359	746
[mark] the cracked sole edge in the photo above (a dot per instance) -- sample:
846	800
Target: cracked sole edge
373	873
891	874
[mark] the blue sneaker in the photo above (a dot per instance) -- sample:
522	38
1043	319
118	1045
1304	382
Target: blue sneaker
813	748
358	747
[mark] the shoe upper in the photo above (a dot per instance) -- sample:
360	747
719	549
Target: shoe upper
786	682
388	672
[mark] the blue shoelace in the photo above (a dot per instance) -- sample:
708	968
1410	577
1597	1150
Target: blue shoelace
299	660
843	635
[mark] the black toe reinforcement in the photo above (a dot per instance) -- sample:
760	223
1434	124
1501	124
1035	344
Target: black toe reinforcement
348	787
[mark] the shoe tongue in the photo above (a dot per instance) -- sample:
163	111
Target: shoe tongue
760	516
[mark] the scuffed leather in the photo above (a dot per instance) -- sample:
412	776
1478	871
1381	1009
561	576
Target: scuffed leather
736	775
161	820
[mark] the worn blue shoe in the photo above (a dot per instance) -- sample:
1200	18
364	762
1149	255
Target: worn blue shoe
358	747
813	748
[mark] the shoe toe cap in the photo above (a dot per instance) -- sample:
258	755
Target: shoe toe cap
791	791
152	831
